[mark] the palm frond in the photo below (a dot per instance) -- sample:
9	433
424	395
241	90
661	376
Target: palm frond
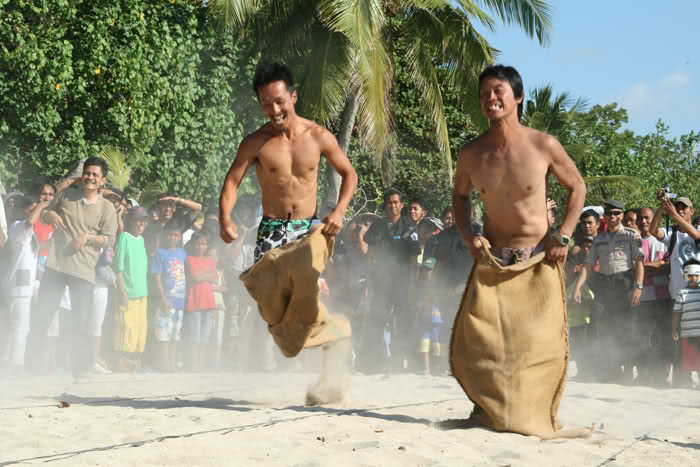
631	182
362	22
465	53
427	31
473	11
323	83
284	30
233	13
533	16
119	172
611	187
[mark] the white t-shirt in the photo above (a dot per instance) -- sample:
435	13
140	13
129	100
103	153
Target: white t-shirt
683	251
24	259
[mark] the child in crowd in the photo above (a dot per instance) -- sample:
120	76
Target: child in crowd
429	310
22	268
131	267
200	305
168	273
686	318
219	288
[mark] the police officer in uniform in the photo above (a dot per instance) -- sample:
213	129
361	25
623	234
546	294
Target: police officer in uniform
618	287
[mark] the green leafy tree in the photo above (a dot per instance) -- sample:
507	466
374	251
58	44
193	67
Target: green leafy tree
151	78
345	50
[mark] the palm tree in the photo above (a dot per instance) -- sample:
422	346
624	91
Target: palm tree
346	50
552	114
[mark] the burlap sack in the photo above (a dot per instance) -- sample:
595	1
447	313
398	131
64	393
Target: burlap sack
284	283
509	348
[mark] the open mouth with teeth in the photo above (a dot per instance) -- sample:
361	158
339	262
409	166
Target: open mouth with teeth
495	107
279	119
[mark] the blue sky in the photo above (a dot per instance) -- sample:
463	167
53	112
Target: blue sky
642	54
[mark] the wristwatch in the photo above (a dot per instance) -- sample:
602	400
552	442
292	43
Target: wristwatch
639	286
561	238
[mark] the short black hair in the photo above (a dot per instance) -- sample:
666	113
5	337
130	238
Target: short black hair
37	188
417	201
96	161
446	210
509	75
691	262
267	73
590	213
634	210
391	192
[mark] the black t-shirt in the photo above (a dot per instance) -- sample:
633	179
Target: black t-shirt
454	261
396	243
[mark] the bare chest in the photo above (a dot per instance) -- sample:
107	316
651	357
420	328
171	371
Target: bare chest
509	174
282	157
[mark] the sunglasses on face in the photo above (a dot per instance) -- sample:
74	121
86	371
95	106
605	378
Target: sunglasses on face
613	213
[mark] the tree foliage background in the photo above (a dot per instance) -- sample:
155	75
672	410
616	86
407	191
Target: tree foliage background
152	78
156	80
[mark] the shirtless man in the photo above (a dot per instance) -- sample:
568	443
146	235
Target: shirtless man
508	165
286	153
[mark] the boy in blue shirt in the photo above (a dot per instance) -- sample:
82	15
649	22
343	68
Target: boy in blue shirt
168	275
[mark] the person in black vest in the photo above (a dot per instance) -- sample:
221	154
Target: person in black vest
393	246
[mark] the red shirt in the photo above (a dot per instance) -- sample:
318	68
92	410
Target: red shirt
43	235
200	295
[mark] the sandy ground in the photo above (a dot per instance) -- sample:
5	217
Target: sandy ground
150	419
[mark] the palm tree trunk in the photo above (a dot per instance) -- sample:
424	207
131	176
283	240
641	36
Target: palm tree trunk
347	123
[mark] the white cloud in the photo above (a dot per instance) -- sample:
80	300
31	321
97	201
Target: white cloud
676	79
652	99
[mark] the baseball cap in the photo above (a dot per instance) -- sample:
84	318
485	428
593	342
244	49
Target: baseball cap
684	200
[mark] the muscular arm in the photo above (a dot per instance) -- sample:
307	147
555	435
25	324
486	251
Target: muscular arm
461	199
565	171
193	206
227	200
683	225
654	228
340	162
65	183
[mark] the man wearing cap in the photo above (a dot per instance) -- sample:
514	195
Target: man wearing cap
681	240
84	222
618	287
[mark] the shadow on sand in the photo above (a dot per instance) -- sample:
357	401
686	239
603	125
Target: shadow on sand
172	403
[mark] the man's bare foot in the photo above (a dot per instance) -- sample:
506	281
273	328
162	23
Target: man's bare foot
321	394
330	388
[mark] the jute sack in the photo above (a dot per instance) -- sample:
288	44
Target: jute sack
509	347
284	283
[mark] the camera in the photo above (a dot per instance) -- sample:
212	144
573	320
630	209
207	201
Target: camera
668	194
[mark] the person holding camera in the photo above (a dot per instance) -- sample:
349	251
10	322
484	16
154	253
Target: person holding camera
618	287
682	242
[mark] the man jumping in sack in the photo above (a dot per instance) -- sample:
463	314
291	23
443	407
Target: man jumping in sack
509	347
290	254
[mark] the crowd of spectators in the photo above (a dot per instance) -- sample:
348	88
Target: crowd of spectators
93	282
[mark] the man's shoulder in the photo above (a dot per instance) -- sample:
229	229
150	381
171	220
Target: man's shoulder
251	144
473	146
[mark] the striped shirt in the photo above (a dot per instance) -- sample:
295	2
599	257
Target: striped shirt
688	304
